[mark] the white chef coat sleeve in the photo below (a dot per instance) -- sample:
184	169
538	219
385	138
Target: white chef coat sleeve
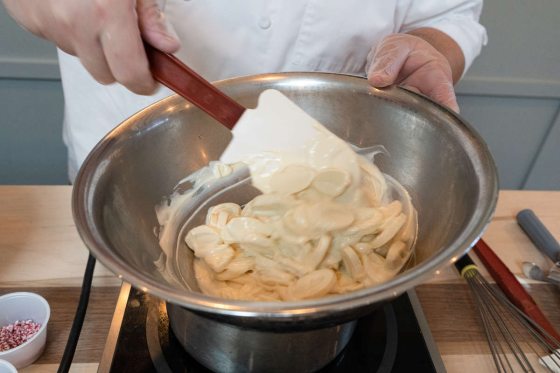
457	18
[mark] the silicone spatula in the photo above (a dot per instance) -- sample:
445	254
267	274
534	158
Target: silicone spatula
276	124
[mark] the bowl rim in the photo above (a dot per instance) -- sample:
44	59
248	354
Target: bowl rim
278	311
43	327
8	365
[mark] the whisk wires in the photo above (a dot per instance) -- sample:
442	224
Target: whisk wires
508	330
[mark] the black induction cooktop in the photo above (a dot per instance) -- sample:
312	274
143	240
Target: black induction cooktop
393	338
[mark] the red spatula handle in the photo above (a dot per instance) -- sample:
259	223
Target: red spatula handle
174	74
511	287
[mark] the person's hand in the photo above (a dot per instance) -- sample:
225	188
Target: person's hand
412	63
105	35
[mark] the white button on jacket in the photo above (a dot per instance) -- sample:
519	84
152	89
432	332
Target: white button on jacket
222	39
265	23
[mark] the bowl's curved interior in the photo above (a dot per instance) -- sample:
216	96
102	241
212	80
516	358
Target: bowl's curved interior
433	153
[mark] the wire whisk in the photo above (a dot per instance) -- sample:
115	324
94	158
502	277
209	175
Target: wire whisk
509	331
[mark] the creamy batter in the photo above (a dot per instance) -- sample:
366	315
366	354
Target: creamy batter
327	222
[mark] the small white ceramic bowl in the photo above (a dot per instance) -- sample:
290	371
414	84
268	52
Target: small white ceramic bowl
7	367
25	306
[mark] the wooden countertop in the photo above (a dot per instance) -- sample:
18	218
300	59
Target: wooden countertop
42	252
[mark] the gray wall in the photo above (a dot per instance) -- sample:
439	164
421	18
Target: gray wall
511	95
512	92
31	106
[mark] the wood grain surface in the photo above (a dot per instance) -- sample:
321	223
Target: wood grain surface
453	318
39	243
41	251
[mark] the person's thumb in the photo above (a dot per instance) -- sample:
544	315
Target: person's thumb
387	61
155	28
445	94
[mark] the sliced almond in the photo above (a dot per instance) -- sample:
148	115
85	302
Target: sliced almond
218	257
269	205
219	215
391	228
313	285
268	272
237	267
374	266
352	263
316	256
331	182
292	179
362	248
397	255
202	238
345	283
391	210
366	227
247	230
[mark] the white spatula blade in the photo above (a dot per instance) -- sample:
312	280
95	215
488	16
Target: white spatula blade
276	124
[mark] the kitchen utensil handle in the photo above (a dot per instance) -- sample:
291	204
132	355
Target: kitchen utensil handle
464	263
515	292
172	73
537	232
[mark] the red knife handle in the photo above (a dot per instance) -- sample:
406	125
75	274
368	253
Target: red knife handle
174	74
515	292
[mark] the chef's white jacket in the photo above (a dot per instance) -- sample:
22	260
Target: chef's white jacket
222	39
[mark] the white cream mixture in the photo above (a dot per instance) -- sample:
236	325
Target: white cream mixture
326	223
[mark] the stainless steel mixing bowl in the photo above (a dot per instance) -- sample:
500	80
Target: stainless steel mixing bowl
434	153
